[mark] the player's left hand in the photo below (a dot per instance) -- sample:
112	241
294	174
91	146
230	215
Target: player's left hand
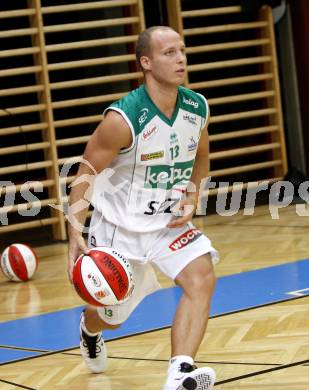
183	211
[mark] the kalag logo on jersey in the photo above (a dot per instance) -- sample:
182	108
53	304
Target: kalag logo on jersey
166	176
148	133
190	102
191	119
152	156
192	145
143	116
185	239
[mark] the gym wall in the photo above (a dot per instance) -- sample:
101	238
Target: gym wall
61	65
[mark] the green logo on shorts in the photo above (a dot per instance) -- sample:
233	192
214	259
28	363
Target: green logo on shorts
166	176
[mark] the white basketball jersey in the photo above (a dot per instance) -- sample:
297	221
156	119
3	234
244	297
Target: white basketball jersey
146	180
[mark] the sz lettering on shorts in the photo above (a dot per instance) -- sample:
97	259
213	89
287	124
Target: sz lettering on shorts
152	156
186	238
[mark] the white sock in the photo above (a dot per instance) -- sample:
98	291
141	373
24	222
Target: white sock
83	325
175	361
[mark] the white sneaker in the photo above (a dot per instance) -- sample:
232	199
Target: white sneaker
93	349
189	377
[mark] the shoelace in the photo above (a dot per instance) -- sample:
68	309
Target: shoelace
91	343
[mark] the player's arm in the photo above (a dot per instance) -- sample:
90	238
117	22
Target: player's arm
201	165
111	135
200	171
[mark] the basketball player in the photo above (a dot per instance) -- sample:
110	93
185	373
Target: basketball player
148	147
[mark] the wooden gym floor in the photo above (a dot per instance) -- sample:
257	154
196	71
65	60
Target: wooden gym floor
264	347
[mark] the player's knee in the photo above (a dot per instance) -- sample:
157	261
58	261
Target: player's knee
200	284
211	279
203	283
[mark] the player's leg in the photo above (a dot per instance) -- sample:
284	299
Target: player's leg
197	280
94	320
92	345
186	256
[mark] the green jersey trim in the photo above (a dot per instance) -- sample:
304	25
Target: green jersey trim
138	109
207	110
160	114
193	102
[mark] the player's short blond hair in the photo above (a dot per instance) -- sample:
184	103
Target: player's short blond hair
143	44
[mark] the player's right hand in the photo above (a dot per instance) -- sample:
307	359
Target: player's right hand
77	246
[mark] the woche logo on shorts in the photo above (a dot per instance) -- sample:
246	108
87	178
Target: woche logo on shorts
185	239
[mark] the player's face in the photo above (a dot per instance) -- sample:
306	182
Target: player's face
167	60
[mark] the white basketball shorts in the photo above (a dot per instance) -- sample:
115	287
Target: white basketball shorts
169	249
